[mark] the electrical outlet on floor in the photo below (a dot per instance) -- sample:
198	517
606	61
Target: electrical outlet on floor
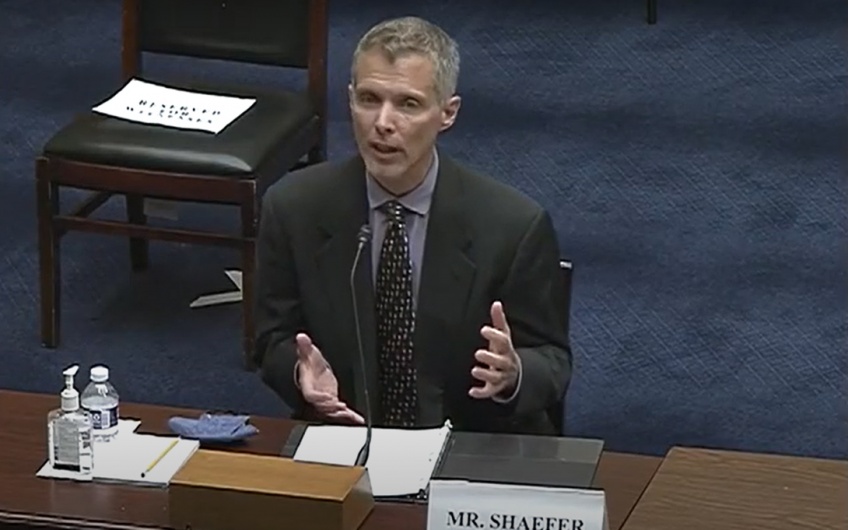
162	209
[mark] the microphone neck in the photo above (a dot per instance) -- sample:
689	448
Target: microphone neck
364	237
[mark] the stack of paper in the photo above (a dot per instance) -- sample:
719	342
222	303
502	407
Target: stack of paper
401	461
132	458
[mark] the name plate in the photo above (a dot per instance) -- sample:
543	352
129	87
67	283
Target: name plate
457	504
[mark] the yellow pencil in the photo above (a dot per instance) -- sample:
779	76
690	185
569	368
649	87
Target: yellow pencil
160	457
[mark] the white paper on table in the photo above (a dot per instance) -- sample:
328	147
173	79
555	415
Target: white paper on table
127	455
145	102
400	462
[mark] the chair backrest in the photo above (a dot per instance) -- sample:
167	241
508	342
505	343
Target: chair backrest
566	268
281	32
557	411
284	33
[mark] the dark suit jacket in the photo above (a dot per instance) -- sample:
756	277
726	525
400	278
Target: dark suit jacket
485	242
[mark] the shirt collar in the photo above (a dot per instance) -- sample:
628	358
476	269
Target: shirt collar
418	200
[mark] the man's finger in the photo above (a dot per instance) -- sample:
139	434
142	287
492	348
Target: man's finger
494	360
499	317
347	414
498	340
487	375
330	407
482	392
304	346
317	397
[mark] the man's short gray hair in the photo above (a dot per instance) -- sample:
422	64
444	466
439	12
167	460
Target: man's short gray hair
399	37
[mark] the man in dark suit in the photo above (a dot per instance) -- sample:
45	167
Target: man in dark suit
459	297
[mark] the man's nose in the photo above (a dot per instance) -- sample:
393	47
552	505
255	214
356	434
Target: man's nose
385	119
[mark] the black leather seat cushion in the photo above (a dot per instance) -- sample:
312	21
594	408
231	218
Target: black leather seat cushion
272	122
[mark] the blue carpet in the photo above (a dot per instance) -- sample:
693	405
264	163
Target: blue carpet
693	169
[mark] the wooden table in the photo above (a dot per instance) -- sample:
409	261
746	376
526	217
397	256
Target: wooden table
30	502
700	489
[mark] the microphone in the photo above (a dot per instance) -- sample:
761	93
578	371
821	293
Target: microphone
363	237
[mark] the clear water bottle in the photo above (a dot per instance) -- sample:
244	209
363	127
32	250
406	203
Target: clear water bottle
100	400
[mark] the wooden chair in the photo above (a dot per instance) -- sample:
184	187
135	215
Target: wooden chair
283	129
651	8
557	411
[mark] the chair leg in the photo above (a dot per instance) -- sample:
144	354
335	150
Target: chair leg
139	247
652	11
48	259
247	296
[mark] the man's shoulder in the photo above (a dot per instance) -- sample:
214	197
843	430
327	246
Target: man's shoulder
315	182
487	193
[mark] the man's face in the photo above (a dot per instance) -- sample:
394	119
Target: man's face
397	117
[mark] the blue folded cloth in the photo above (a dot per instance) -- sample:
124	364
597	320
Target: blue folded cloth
214	427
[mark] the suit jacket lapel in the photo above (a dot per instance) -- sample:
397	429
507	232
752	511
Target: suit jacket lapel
334	260
447	275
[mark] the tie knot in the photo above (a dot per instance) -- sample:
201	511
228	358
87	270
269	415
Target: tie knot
394	211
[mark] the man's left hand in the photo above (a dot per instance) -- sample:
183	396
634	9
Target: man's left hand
500	374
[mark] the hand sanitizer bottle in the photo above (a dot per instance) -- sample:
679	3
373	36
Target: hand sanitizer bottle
69	431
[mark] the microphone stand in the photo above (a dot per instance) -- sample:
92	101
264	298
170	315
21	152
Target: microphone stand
364	237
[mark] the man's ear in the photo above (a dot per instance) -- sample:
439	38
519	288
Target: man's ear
449	111
350	93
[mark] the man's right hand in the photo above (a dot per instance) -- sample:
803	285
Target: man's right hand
318	384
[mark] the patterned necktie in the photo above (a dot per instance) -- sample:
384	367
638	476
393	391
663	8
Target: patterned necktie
395	322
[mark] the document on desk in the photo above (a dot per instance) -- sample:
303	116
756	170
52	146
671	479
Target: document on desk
401	461
131	458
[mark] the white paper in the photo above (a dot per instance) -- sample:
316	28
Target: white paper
216	299
145	102
221	298
127	426
235	277
459	503
400	462
125	457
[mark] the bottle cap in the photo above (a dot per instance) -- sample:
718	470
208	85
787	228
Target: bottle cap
70	396
99	374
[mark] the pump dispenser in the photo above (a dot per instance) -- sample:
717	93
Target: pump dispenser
69	430
70	396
